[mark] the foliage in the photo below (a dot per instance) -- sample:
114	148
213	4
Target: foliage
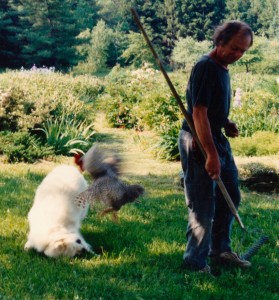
22	147
29	97
262	56
167	146
251	57
260	178
259	144
136	99
116	13
65	135
261	15
50	32
255	169
13	109
270	62
258	107
118	103
47	33
140	100
95	49
199	18
9	47
187	51
137	52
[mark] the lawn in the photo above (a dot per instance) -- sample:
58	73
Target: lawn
141	256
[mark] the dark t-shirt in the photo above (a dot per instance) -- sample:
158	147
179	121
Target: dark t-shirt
209	85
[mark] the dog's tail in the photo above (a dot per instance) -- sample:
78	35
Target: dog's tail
97	162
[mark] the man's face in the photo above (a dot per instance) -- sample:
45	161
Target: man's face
234	49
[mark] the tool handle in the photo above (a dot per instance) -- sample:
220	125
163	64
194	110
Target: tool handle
187	117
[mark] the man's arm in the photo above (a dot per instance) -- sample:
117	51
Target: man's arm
202	126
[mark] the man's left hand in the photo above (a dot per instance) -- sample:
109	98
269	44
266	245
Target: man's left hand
231	129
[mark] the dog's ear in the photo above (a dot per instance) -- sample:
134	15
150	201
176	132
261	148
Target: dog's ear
60	245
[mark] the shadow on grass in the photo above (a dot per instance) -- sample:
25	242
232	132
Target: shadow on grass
107	138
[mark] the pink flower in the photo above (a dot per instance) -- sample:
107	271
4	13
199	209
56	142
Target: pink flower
237	97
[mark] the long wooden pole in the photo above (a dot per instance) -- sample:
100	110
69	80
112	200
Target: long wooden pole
187	117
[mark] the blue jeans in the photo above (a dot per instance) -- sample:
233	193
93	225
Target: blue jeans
209	217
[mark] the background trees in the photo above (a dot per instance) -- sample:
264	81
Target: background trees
67	33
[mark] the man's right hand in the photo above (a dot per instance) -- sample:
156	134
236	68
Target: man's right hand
213	166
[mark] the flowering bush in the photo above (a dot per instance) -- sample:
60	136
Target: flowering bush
140	100
28	98
256	104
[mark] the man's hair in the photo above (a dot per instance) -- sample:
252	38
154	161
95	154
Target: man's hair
225	32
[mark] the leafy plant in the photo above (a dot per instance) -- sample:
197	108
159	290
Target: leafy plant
167	146
22	147
257	110
28	98
260	143
66	135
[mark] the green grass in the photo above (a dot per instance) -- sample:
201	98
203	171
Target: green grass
141	256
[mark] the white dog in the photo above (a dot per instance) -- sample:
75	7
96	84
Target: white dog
55	219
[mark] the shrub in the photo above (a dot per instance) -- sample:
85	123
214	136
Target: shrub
257	108
12	108
167	145
140	99
33	97
157	110
260	143
66	135
22	147
118	103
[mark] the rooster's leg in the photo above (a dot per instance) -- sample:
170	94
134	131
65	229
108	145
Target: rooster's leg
114	214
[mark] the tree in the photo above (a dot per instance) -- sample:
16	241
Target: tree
96	50
187	51
266	16
252	56
172	24
48	32
9	46
116	14
198	18
239	10
261	15
137	53
153	17
85	13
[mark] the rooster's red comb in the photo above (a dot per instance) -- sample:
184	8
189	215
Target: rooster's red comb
78	160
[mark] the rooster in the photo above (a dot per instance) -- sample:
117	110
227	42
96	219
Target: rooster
107	186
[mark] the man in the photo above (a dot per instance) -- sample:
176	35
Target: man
208	101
